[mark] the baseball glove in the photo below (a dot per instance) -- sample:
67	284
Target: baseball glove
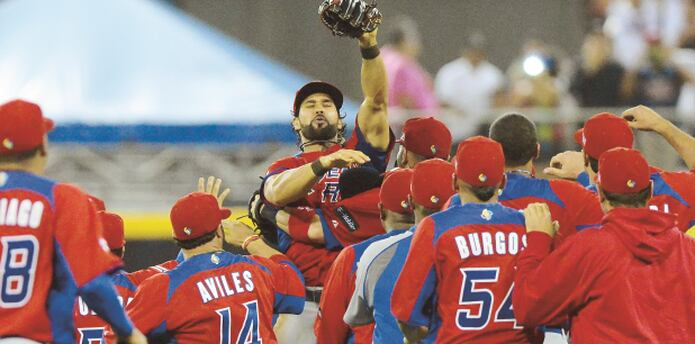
350	17
267	229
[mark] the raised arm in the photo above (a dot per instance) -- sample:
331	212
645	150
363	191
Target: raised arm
644	118
372	116
291	185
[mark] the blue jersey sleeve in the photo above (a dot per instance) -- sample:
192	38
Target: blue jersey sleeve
100	296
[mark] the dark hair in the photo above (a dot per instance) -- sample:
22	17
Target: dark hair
21	156
199	241
637	199
484	193
593	163
118	252
357	180
517	135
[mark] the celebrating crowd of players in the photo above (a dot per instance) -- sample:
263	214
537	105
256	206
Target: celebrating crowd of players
434	250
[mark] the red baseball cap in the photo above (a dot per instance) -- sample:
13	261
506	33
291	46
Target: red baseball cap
317	87
432	183
195	215
22	127
97	202
426	136
622	171
479	161
602	132
113	229
395	190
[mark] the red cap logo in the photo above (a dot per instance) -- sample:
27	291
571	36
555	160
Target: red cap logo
622	171
395	190
432	183
195	215
479	161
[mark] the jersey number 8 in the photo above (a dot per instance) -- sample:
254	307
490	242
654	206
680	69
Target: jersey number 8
470	295
18	260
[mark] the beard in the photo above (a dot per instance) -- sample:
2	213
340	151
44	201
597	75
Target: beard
319	133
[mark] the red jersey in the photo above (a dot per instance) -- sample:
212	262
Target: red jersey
337	292
89	327
345	223
315	260
630	281
462	261
218	298
574	207
50	236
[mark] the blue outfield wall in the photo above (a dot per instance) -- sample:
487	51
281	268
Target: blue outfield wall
174	134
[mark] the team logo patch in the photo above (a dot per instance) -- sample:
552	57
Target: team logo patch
3	178
486	215
347	219
482	177
631	183
7	143
404	204
215	259
187	231
434	199
433	149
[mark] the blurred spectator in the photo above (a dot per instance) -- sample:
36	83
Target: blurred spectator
410	86
469	85
599	80
659	82
533	77
688	37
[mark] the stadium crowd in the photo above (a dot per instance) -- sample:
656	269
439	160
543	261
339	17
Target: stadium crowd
467	247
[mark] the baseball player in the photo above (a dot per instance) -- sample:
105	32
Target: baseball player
672	190
574	207
48	230
356	218
457	278
215	296
89	328
397	217
310	178
383	260
630	281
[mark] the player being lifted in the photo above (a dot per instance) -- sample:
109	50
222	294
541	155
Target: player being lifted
310	178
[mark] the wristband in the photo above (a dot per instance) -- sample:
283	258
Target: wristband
318	169
249	240
370	53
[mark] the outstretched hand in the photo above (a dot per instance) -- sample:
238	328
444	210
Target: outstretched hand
644	118
538	219
566	165
213	187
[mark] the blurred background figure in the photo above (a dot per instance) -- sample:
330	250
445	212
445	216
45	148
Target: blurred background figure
470	85
410	85
599	80
534	77
659	82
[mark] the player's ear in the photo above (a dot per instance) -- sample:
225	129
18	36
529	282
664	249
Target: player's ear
453	181
503	183
296	125
382	212
651	190
538	151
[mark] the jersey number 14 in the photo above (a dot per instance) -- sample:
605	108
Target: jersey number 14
249	330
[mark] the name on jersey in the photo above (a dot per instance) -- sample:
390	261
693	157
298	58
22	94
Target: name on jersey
20	213
489	243
217	287
84	310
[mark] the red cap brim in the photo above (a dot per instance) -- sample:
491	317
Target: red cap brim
579	137
48	124
225	213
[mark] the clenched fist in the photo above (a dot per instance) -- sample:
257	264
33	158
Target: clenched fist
538	219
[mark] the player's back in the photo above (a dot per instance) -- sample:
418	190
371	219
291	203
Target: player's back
674	194
475	247
89	327
213	298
